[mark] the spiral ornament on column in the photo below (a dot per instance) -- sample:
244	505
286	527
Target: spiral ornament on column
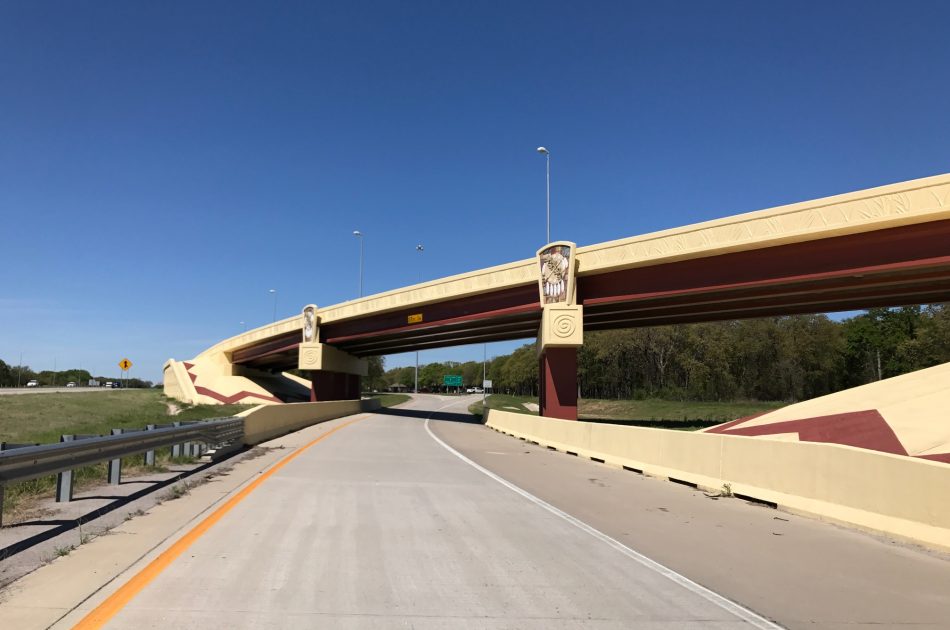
310	357
564	325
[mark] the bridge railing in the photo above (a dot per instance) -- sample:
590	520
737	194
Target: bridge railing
24	462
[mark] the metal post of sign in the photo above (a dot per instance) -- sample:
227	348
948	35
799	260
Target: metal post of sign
115	465
64	480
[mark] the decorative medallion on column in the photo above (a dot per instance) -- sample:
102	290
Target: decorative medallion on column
556	279
309	323
562	320
309	352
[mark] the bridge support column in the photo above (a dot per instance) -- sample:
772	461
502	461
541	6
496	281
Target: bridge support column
326	385
561	334
557	378
334	374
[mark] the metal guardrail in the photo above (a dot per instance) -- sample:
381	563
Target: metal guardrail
24	462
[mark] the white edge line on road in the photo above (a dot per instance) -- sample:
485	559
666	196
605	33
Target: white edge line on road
726	604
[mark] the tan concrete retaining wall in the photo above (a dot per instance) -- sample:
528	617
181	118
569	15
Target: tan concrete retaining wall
176	383
267	422
897	495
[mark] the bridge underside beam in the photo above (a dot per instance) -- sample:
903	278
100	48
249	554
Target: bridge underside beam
278	352
889	267
477	329
905	265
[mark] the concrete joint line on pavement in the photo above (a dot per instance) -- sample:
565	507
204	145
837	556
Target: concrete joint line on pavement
120	598
726	604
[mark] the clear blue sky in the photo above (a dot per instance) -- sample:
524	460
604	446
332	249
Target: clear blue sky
163	164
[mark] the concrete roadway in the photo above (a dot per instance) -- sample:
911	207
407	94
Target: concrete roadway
381	524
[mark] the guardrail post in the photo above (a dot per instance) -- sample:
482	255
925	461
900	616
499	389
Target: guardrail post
2	444
115	465
150	455
176	448
64	480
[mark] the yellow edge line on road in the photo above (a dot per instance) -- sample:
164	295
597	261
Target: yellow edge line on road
111	606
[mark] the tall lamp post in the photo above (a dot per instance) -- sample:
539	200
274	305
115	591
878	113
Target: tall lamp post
274	292
547	154
484	374
420	249
359	235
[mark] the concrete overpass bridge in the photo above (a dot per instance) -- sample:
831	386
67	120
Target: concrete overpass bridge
884	246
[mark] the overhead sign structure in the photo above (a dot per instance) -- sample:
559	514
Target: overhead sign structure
452	380
125	364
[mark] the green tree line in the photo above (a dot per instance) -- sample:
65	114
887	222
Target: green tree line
778	358
11	375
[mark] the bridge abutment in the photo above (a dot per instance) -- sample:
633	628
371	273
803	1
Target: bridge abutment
326	386
334	374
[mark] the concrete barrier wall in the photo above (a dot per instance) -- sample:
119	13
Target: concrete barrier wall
897	495
267	422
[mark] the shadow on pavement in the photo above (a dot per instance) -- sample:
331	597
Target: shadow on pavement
421	414
61	526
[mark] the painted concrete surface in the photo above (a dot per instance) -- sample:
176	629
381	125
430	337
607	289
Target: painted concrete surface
799	571
380	526
906	415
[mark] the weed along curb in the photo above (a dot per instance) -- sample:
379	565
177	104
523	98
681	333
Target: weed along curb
892	494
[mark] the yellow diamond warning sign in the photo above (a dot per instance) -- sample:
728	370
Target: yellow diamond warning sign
125	364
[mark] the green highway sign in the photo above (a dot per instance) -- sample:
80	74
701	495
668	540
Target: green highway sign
452	380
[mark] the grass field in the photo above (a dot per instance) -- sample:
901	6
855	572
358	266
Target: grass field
668	414
42	418
504	402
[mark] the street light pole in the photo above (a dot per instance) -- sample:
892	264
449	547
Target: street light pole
547	154
274	291
19	369
420	249
484	374
359	235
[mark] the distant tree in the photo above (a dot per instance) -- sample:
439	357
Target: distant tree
873	340
376	369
